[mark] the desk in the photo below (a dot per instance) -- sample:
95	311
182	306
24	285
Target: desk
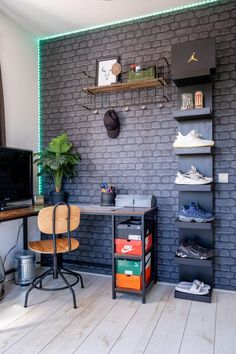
114	212
25	213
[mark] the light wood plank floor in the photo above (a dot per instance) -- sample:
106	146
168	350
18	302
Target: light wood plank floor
163	325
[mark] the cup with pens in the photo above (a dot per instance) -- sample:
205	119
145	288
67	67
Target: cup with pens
108	194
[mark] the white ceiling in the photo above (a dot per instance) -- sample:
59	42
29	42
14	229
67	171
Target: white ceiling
47	17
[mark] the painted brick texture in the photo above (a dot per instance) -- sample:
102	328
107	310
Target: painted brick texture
141	159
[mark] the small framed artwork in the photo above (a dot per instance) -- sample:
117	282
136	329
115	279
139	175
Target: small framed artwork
104	75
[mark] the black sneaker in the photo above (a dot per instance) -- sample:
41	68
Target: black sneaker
209	253
192	250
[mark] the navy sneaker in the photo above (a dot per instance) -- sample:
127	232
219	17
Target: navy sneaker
193	212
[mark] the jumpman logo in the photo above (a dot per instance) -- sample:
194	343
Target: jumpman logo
192	58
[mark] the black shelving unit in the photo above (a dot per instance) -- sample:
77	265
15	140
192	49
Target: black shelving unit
194	262
194	225
200	113
188	80
194	188
194	151
192	297
149	216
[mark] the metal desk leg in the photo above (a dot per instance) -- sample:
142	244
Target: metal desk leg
155	246
25	233
113	259
143	262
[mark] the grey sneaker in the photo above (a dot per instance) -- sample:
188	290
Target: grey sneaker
192	177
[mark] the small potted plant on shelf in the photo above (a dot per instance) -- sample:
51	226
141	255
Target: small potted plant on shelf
57	161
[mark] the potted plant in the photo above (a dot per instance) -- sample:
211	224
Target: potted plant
57	161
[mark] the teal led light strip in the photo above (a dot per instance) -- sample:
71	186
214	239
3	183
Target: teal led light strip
132	19
40	182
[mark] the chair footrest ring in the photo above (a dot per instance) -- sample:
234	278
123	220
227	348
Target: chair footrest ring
57	288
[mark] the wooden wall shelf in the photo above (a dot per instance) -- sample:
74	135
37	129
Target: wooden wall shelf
126	86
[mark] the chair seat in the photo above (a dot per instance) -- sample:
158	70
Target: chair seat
46	246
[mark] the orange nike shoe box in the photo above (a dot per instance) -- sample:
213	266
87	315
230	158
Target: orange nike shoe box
132	247
132	281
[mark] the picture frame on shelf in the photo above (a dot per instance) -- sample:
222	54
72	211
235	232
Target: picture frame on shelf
104	75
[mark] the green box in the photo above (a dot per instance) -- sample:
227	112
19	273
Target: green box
147	74
130	267
125	266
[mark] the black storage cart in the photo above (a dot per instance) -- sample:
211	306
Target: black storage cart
146	219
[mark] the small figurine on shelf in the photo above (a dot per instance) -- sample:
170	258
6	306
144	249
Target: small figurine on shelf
108	194
133	67
198	99
186	101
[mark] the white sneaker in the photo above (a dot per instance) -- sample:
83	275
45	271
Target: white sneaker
192	177
192	139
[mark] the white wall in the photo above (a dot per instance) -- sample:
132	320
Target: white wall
18	59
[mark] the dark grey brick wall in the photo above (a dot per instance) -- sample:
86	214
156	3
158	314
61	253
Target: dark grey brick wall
141	159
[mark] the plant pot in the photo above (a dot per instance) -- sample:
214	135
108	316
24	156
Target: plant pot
107	199
57	197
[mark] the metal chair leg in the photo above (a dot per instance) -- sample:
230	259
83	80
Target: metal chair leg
75	274
39	279
70	287
41	275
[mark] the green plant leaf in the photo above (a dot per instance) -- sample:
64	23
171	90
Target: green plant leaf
60	144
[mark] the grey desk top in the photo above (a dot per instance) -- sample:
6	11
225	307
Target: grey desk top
95	209
86	209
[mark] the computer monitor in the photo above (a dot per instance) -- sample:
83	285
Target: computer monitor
16	176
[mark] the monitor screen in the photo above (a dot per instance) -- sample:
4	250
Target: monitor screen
15	175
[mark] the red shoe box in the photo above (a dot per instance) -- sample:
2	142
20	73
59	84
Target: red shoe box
132	247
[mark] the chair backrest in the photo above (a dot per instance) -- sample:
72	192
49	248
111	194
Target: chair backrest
45	219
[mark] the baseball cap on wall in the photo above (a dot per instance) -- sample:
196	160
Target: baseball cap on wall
112	123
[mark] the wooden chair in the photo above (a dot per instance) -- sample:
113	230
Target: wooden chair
56	221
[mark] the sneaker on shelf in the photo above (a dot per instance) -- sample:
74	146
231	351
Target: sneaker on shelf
209	253
193	212
192	177
192	250
192	139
